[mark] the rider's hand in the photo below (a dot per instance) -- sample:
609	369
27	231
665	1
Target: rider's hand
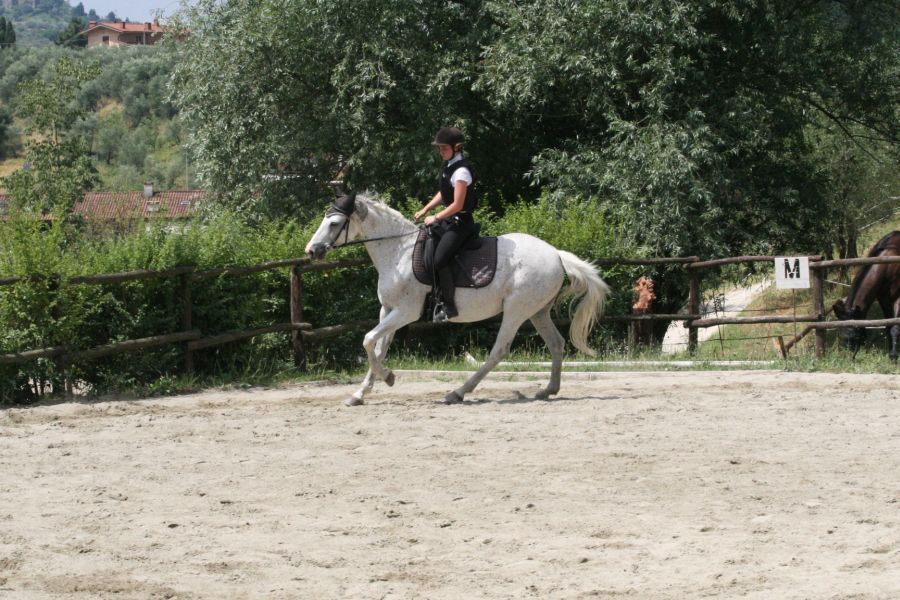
430	220
419	214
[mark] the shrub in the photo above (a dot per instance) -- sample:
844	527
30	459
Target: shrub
47	311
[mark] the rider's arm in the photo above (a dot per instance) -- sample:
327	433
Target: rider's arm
459	200
431	204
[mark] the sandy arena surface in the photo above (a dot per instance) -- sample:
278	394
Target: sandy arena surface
636	485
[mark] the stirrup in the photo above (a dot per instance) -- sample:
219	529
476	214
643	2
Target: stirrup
442	315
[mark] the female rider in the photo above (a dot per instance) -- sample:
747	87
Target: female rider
453	224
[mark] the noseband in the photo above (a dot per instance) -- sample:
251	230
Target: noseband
344	205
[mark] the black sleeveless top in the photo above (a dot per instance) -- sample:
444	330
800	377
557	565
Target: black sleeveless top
471	202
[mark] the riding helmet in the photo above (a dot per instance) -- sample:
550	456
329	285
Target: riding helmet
449	136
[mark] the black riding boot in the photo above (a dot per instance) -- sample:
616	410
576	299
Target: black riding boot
447	308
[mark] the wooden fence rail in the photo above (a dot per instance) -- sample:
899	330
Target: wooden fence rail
302	332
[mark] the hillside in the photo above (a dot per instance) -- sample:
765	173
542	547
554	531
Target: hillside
39	22
127	121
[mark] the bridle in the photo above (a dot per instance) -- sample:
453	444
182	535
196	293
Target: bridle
346	205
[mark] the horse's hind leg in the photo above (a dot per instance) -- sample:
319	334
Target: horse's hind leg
505	336
557	345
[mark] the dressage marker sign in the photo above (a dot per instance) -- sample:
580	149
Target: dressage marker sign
792	272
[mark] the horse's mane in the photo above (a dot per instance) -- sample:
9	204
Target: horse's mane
885	243
373	202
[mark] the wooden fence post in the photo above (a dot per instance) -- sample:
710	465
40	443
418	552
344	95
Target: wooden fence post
297	318
693	308
60	363
187	317
818	293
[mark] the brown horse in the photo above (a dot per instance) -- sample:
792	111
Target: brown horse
871	283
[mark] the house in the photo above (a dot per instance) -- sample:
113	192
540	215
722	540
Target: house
125	207
120	33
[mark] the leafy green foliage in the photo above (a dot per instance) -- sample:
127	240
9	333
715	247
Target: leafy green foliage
47	311
71	36
7	34
300	89
8	140
688	120
37	22
123	115
60	169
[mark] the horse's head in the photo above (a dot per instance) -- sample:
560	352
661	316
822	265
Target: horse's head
337	228
852	336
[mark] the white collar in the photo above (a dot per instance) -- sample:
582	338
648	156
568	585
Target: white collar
456	158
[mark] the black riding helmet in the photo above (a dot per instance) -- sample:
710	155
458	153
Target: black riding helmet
449	136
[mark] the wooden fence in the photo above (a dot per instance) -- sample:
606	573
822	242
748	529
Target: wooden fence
302	332
816	319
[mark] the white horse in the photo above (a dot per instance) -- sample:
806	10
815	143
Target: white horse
528	281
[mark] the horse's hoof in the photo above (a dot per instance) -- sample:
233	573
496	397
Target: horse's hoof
545	394
452	398
353	401
389	379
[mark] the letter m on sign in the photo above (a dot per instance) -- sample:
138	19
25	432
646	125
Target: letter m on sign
792	272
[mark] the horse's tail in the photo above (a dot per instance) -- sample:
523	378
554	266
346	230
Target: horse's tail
583	281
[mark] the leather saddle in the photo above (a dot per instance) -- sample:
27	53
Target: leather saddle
475	265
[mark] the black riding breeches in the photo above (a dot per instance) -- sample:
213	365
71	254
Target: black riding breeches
452	234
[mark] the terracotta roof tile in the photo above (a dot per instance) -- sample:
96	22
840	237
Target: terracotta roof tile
120	26
133	205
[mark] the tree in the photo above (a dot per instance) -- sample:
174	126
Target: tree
71	36
7	33
60	166
861	185
111	16
78	11
317	85
688	120
5	132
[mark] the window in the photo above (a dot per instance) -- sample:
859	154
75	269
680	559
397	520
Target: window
106	40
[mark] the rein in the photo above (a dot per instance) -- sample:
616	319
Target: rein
377	239
345	229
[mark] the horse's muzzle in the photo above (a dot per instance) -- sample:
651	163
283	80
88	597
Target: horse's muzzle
316	251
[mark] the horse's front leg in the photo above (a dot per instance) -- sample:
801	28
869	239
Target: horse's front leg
895	334
376	344
892	331
368	382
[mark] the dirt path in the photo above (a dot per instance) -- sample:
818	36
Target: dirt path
733	302
639	485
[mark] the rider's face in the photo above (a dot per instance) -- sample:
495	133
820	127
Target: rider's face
445	150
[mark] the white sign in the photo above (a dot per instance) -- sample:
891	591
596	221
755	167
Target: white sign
792	272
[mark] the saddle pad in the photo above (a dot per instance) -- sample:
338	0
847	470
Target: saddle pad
473	268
